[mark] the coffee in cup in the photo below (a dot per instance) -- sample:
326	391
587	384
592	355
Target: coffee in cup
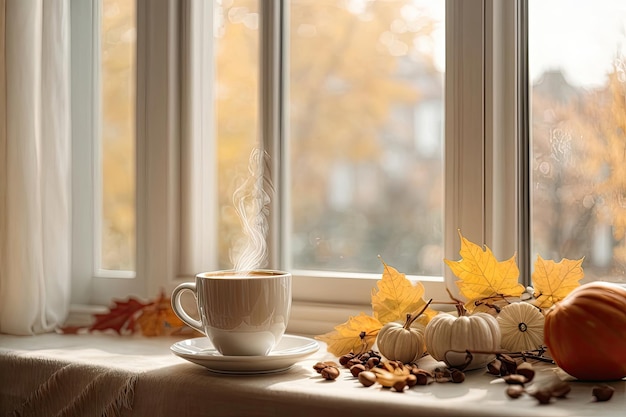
242	313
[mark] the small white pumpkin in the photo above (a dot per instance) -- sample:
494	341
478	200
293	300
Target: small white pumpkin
521	325
478	332
403	342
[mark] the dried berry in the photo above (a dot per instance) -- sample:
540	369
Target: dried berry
526	369
343	360
494	367
602	392
515	379
508	363
399	385
372	362
457	376
367	378
369	359
424	379
352	362
355	370
321	365
330	373
515	391
543	396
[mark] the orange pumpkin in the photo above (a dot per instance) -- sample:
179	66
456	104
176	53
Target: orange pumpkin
586	332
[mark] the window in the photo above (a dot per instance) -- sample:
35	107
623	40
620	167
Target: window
362	169
577	66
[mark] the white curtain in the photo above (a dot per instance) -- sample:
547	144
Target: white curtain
34	165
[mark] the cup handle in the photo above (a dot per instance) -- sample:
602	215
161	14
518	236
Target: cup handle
179	309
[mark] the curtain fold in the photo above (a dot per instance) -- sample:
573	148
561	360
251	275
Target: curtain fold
34	166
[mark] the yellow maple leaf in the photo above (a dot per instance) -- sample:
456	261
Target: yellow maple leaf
482	276
158	318
553	281
395	297
358	334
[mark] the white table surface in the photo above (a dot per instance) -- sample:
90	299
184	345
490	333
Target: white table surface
170	386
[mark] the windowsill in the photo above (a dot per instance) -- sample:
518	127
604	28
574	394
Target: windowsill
64	367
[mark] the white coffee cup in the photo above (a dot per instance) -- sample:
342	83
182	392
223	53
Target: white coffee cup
243	314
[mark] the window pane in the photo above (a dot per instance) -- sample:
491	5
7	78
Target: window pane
578	158
366	135
236	103
117	134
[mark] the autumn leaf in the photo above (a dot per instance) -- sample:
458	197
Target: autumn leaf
482	276
159	319
395	297
553	281
121	317
358	334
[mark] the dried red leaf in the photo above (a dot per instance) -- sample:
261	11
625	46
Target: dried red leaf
121	317
155	318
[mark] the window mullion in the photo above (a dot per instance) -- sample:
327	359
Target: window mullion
271	119
83	99
523	169
465	151
506	159
198	247
158	150
483	194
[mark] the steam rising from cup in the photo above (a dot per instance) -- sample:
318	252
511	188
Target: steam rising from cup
252	204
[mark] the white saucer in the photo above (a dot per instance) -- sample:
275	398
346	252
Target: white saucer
290	350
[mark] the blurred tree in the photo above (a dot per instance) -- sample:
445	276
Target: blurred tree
579	172
605	158
117	112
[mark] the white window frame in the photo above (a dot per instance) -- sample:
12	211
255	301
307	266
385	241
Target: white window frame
175	139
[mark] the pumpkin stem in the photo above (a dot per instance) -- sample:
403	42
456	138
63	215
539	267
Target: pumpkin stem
410	318
460	306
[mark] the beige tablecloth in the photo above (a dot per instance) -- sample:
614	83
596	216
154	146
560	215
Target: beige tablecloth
109	375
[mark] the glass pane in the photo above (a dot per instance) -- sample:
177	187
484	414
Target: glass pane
117	123
365	111
578	98
236	103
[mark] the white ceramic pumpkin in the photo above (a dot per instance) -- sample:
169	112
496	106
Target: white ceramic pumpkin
521	326
401	341
478	332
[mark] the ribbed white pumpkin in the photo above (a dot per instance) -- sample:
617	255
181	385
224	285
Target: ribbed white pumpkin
521	326
399	342
403	342
477	332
